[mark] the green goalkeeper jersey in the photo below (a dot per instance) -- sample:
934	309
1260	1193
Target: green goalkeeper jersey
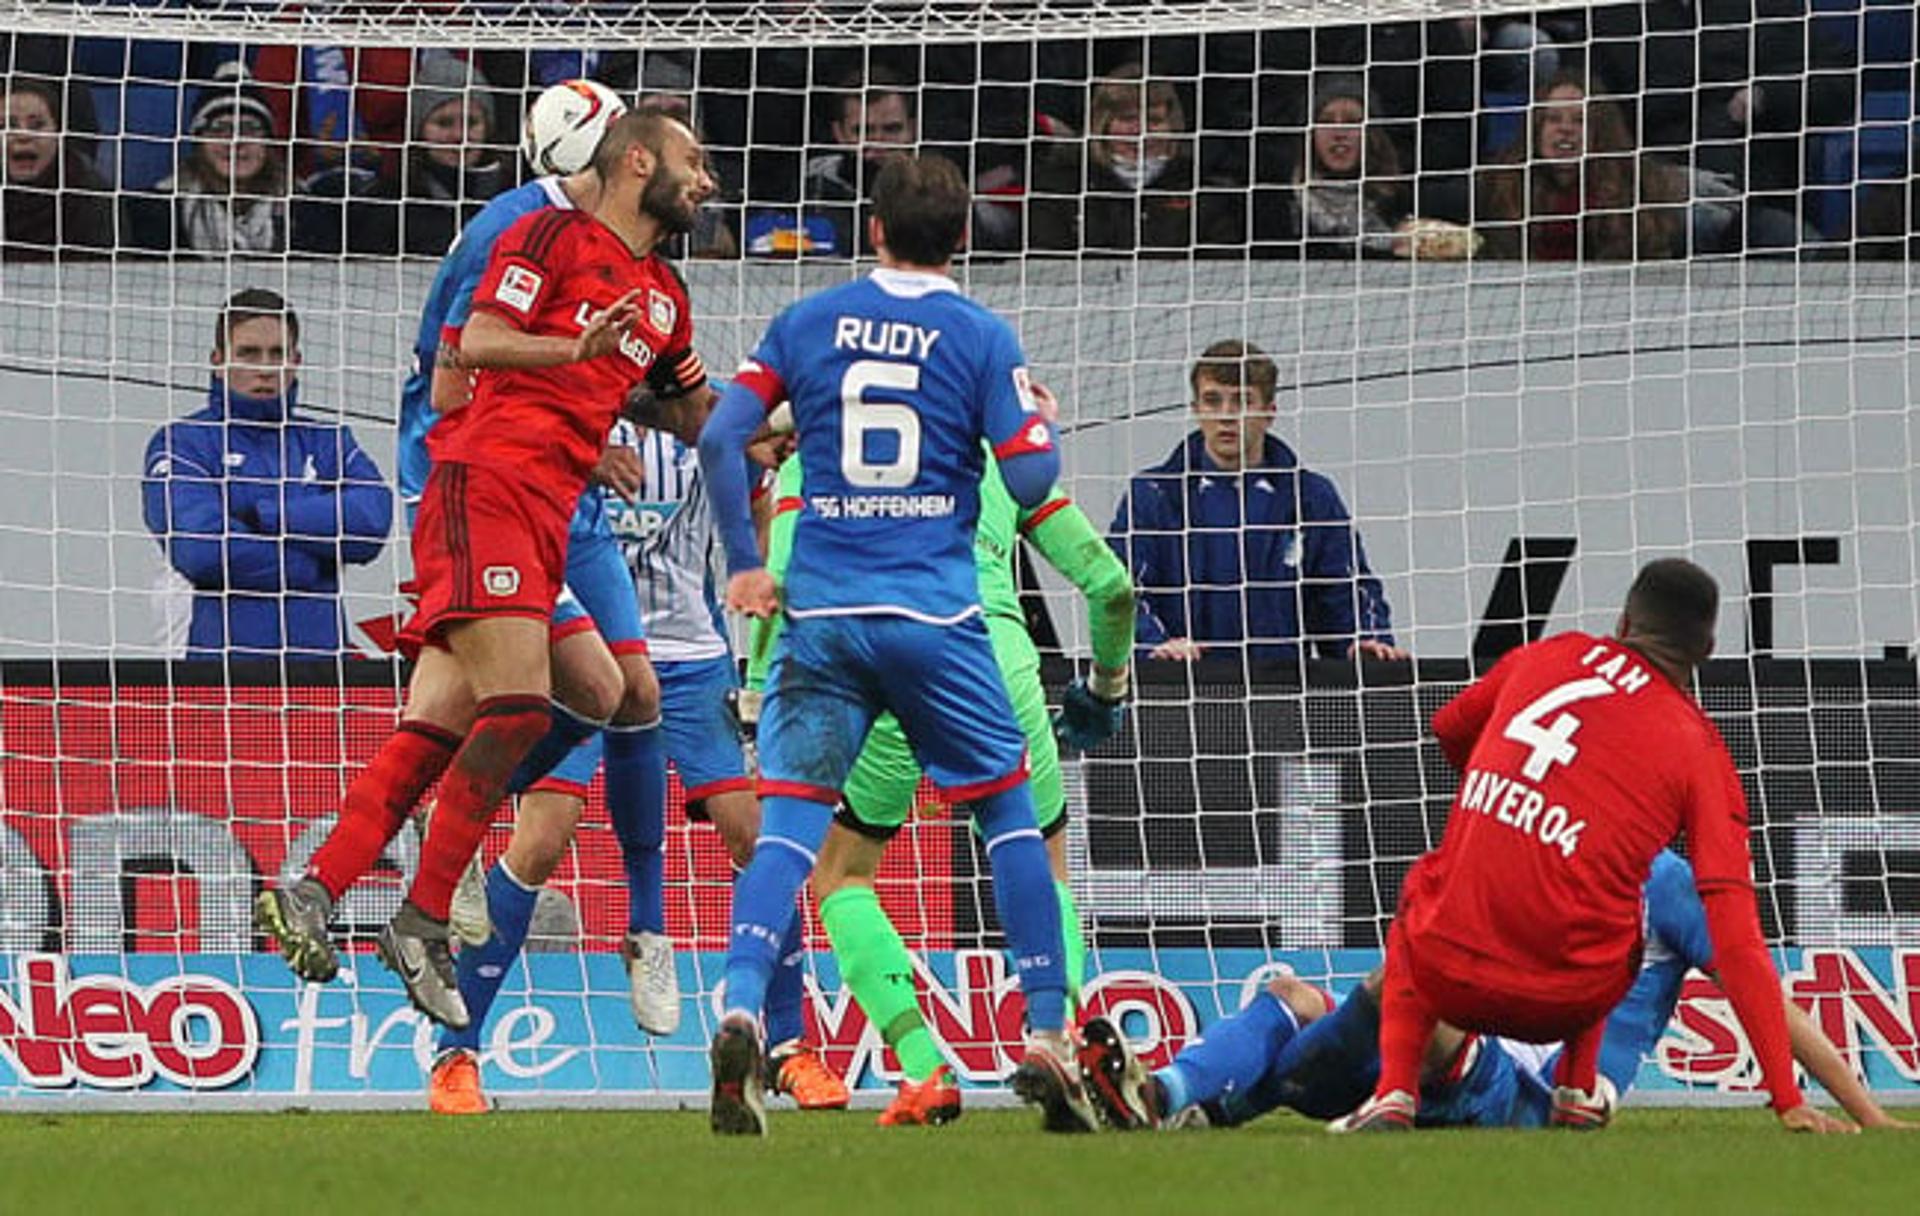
1058	528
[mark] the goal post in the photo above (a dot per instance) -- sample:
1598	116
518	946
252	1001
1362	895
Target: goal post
1512	434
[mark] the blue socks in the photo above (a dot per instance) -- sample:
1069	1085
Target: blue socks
1027	902
483	968
636	764
787	991
565	733
791	830
1234	1055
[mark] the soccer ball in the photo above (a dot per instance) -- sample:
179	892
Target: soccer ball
566	123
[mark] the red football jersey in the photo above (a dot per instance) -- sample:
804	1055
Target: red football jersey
1578	762
550	272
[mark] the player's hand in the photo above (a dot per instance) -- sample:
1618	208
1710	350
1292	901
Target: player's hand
1183	649
1048	405
620	470
606	327
753	593
1808	1118
1368	648
1085	719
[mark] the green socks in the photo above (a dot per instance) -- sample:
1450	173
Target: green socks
875	964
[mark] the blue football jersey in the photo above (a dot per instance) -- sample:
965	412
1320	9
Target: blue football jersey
448	303
894	381
1676	942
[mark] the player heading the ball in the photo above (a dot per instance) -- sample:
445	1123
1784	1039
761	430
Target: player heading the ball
895	381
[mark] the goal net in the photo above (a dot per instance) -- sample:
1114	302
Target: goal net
1542	294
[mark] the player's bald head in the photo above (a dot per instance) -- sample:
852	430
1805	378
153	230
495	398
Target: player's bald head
648	127
1673	605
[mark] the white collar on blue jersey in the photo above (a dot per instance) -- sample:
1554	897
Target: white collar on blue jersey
556	193
911	283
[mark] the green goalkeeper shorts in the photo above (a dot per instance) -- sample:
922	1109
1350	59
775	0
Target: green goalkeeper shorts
880	790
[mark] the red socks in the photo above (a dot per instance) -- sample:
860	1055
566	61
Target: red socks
1579	1063
505	728
1406	1024
379	800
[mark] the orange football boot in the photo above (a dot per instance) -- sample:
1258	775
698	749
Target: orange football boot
932	1101
454	1087
797	1070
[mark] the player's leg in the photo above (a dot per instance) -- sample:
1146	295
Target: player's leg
874	963
950	698
586	690
1579	1100
820	702
377	803
1020	668
542	830
505	660
1407	1022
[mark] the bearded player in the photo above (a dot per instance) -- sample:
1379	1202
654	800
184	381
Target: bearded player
575	311
1289	1047
880	792
1580	759
895	380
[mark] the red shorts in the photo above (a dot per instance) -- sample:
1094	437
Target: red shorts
1448	985
484	544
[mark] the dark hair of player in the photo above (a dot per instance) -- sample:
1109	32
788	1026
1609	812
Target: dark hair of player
648	126
922	204
1236	363
252	304
1674	603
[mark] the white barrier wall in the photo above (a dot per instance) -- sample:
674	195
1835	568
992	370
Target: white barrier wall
1661	410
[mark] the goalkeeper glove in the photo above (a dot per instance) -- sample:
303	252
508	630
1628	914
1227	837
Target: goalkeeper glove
1086	719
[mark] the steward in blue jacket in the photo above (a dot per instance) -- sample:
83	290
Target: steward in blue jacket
1236	548
256	508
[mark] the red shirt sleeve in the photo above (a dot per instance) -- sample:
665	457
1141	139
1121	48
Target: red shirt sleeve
525	268
1716	819
1459	722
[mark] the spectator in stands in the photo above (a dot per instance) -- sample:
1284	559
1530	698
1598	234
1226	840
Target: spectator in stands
344	107
1578	190
1236	549
451	168
256	508
872	116
1349	195
54	202
230	193
1131	183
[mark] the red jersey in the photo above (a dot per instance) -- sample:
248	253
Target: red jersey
550	272
1579	761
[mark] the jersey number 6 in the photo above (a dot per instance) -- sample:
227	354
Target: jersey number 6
860	418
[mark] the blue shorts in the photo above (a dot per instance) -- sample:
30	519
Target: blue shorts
599	595
832	676
700	737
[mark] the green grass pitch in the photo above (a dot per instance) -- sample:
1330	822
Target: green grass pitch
992	1161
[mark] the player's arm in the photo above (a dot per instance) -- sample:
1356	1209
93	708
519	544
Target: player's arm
1823	1062
492	341
1715	814
450	387
1459	722
1018	417
739	416
1066	538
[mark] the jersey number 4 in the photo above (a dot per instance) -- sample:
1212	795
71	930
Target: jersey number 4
1551	743
860	418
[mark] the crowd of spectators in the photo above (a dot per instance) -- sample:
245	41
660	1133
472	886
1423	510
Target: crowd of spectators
1661	129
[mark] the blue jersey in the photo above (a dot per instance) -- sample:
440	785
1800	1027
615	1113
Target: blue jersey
447	307
894	380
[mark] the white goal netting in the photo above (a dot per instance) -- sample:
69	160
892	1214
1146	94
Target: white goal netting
1547	293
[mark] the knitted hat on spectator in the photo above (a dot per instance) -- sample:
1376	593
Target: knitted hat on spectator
229	98
439	79
1330	87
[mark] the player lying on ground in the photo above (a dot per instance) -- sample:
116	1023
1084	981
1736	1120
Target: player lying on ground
1580	759
574	312
1288	1049
879	796
667	538
895	380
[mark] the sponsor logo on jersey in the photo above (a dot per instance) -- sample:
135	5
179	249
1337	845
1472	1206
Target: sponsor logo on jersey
661	311
236	459
500	580
519	288
1023	389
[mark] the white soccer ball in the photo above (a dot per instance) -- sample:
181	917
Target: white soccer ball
566	123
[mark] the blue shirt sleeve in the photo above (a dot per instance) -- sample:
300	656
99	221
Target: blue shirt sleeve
1675	913
1340	597
723	447
1023	442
